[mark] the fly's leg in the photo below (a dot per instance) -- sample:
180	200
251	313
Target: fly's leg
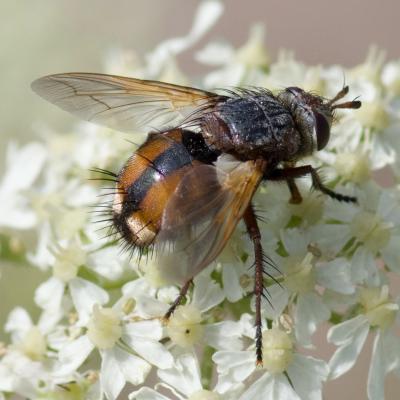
253	230
178	300
291	173
295	197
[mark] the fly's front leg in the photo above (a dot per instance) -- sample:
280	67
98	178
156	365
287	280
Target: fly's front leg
291	173
295	197
253	230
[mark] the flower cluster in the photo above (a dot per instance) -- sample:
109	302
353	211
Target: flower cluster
100	327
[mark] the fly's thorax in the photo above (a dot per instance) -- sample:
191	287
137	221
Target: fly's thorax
252	125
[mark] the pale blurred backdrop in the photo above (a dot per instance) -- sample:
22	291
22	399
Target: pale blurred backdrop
46	36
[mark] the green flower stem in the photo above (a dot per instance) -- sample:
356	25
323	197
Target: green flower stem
207	367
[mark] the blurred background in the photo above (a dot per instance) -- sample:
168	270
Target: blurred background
44	36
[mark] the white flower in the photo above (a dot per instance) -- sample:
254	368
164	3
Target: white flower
302	273
188	326
282	363
127	349
184	381
27	361
206	16
241	67
23	167
372	225
379	312
84	294
391	77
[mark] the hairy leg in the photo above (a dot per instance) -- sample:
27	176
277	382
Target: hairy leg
253	230
291	173
178	300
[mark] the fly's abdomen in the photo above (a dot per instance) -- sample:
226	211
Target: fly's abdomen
149	179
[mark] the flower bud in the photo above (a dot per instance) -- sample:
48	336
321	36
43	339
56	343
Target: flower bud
300	276
353	166
33	345
104	327
371	230
373	115
379	310
184	327
68	261
277	350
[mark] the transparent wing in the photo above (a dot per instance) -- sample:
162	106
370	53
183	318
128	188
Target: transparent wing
201	216
125	104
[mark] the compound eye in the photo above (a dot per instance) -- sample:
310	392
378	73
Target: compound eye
323	130
294	90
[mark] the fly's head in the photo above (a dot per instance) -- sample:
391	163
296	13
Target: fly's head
313	116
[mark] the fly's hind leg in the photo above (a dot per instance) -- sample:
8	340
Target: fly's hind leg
178	300
253	230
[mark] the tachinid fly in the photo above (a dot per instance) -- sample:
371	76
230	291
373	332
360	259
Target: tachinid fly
184	190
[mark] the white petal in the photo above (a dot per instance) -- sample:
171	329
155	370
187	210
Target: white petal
350	336
14	213
295	242
391	254
49	319
382	153
151	329
278	299
363	267
341	212
146	393
207	14
108	262
330	238
49	294
137	288
73	354
149	307
112	379
184	376
230	75
7	378
216	53
307	375
42	257
224	335
85	295
206	293
18	323
345	331
152	351
384	359
23	167
230	278
336	275
242	363
388	207
310	312
270	387
134	369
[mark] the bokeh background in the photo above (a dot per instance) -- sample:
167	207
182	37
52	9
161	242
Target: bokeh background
46	36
